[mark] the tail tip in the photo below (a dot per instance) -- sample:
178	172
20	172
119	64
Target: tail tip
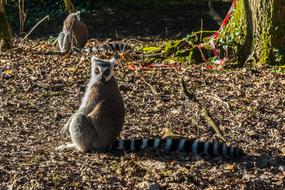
239	153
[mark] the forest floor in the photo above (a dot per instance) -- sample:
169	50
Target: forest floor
40	89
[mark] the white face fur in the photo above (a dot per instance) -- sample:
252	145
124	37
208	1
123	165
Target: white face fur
101	69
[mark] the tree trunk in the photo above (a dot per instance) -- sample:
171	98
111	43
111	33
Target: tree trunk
69	6
261	28
5	30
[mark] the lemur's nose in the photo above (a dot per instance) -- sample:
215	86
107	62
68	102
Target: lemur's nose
101	78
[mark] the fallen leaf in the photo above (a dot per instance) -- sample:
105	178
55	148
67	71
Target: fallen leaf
175	111
8	72
123	55
231	167
71	69
167	132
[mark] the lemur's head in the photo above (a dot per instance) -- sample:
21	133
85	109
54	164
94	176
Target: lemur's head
102	69
74	16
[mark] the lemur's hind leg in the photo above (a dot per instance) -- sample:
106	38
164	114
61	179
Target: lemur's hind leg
60	40
82	132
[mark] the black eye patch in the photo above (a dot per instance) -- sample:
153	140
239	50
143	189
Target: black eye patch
103	64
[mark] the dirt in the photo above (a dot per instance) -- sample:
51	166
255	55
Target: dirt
41	88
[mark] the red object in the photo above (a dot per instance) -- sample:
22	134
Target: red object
216	36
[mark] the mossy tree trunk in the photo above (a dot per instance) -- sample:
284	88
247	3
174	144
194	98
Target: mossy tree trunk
5	30
264	39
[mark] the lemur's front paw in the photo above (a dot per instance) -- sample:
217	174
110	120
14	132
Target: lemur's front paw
69	146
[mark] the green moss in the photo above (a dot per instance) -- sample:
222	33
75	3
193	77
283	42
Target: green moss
265	48
232	36
278	48
171	47
151	49
174	51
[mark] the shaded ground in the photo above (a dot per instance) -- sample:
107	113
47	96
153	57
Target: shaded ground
121	21
164	22
40	89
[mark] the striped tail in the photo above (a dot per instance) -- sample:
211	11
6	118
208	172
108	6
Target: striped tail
212	149
111	47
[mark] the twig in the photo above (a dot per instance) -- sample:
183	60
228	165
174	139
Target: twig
201	29
151	87
55	41
204	32
204	113
117	35
221	101
155	55
46	17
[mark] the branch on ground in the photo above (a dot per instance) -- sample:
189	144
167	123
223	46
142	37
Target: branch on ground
204	112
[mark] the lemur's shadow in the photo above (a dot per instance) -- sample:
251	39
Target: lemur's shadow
38	52
247	161
247	164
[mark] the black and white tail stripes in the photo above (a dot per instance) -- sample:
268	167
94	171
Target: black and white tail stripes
212	149
108	47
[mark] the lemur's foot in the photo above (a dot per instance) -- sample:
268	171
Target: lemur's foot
65	146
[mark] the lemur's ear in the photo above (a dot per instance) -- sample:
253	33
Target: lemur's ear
94	59
78	15
114	59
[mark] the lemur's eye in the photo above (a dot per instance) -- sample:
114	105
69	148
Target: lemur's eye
107	72
97	71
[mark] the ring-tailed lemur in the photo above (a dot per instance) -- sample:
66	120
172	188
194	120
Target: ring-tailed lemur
100	118
74	33
99	121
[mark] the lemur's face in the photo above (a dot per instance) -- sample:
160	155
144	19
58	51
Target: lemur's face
102	69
